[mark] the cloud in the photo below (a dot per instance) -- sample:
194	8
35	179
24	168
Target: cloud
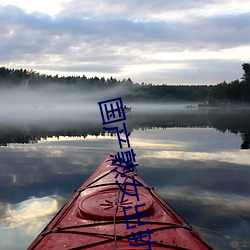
117	30
148	9
91	37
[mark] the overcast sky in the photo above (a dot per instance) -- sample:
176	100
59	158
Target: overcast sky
154	41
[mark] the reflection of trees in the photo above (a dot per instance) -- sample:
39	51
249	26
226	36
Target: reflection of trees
246	141
16	137
19	134
237	122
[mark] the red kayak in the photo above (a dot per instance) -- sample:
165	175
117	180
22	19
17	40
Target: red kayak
116	209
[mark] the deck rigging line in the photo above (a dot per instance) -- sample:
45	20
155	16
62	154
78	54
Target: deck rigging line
115	237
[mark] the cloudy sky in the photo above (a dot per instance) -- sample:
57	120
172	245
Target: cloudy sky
157	41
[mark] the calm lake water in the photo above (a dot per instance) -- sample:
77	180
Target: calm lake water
197	160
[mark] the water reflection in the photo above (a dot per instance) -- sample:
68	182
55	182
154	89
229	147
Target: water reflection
233	121
29	210
20	222
193	161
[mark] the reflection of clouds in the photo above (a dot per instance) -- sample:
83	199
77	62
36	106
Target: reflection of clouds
186	139
236	157
202	144
52	167
227	240
22	222
228	203
56	157
29	212
224	218
148	144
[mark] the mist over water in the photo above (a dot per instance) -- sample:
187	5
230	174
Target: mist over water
60	102
53	102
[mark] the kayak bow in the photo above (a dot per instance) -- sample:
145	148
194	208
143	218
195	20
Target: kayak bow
95	217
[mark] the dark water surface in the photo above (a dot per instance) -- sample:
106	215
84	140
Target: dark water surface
194	159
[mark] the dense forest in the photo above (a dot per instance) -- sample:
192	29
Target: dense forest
234	92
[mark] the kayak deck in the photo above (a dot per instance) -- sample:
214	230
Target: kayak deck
95	218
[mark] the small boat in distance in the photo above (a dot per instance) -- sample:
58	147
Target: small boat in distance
96	217
126	109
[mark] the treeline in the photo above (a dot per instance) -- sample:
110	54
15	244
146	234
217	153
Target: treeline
234	92
237	91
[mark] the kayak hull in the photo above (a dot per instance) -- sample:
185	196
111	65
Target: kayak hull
95	218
